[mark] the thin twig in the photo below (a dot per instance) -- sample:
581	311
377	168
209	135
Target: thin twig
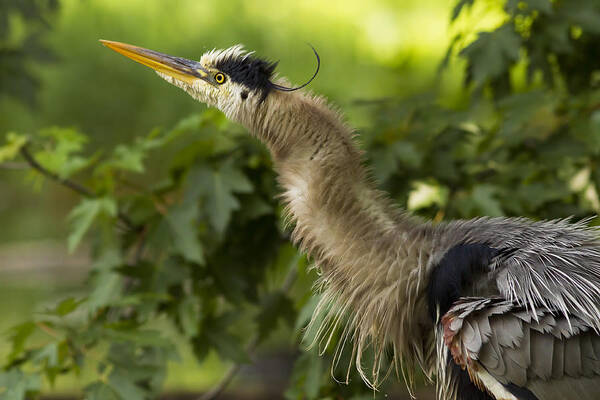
82	190
51	175
215	392
48	330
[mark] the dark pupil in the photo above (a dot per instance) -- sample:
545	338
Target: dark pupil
220	78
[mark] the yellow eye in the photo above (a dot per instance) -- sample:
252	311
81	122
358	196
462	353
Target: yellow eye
220	78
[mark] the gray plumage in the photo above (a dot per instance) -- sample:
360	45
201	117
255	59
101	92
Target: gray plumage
500	308
553	264
538	326
553	357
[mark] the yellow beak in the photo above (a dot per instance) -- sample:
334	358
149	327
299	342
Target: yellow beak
177	67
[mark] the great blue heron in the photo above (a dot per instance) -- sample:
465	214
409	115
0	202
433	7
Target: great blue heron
492	308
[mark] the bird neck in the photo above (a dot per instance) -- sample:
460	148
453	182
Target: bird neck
372	254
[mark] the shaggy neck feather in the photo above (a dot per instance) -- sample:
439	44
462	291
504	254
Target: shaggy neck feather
372	271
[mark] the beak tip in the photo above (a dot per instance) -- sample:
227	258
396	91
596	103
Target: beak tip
175	67
109	43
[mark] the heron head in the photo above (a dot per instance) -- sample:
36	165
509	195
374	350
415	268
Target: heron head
232	80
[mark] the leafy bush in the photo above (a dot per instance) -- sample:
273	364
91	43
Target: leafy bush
194	242
19	51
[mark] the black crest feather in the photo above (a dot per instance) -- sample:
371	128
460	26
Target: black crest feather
252	72
256	73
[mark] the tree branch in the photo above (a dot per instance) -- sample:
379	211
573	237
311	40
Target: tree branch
215	392
51	175
76	187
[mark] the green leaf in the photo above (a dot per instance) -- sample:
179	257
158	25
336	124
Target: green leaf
100	391
47	354
484	198
518	6
584	14
218	188
228	346
459	7
426	195
544	6
15	385
314	374
306	377
106	283
182	220
14	143
536	194
66	306
391	158
528	115
188	312
306	313
138	370
129	158
61	158
126	389
254	207
49	358
275	306
18	336
82	217
216	337
491	54
141	337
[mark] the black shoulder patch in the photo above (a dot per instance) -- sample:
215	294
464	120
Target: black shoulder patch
456	269
252	72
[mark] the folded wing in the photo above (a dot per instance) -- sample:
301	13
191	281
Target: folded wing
543	355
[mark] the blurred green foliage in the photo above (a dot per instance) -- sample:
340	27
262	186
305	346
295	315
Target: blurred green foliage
23	45
184	225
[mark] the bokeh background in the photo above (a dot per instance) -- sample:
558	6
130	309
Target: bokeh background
380	64
388	49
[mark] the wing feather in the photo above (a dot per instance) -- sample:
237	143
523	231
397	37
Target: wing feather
516	349
542	353
548	264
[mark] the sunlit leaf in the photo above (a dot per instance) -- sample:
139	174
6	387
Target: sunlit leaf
62	158
459	7
14	143
129	158
427	194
